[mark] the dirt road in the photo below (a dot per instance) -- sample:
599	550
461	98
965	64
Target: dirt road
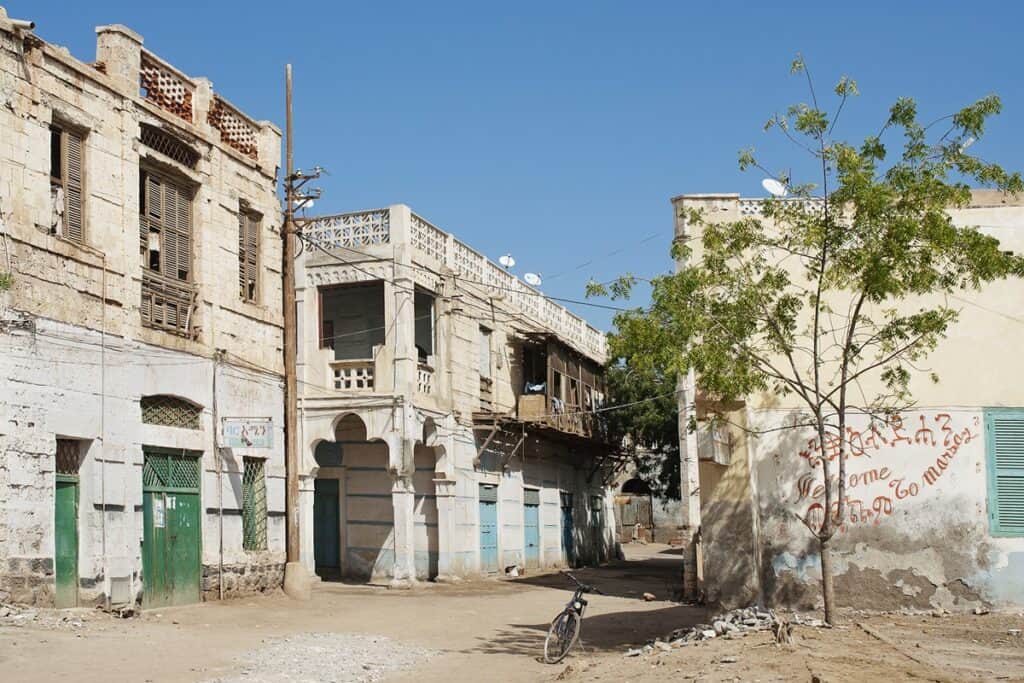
494	631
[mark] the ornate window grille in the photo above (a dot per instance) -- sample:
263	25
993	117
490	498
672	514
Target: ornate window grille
254	505
67	456
168	145
163	87
170	411
161	469
235	129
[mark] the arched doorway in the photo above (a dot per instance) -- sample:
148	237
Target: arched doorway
353	516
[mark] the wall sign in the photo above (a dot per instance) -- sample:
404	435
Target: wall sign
247	432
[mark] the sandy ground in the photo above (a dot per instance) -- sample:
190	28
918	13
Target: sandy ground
494	631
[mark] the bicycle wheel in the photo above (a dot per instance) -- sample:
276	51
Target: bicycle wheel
564	631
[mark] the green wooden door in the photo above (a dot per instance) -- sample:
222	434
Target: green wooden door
171	562
66	541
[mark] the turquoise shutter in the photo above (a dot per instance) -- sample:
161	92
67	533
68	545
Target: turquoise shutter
1004	446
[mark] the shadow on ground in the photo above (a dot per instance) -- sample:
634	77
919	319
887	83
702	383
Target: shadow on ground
658	574
610	632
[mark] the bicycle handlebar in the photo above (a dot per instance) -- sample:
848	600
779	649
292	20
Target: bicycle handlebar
586	588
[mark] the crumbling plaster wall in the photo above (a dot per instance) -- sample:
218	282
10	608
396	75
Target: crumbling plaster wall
915	531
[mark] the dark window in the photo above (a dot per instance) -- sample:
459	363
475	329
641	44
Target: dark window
424	312
352	320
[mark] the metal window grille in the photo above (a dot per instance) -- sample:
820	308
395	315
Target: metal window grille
67	456
254	505
168	145
170	411
169	470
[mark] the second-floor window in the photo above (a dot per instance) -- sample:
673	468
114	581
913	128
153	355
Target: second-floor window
165	225
165	234
424	325
248	253
67	163
485	353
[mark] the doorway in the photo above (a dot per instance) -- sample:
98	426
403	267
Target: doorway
327	528
171	563
488	528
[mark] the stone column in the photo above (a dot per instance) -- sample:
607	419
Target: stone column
444	490
403	499
306	489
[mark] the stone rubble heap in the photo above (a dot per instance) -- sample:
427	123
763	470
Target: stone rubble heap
38	617
732	624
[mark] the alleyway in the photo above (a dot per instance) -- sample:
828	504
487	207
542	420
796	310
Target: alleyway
493	630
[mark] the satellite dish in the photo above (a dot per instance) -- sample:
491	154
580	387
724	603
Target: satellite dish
532	279
774	187
507	261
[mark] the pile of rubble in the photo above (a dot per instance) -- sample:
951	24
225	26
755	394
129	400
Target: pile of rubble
40	617
734	624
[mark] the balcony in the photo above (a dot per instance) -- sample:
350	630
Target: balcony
550	412
167	303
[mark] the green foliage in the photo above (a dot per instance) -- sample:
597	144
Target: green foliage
818	300
6	281
649	428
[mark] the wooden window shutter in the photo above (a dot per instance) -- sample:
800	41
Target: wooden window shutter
74	219
183	223
248	254
1004	441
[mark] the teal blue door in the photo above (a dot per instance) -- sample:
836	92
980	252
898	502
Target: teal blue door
488	528
531	533
568	542
326	527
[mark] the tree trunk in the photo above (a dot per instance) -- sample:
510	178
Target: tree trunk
828	589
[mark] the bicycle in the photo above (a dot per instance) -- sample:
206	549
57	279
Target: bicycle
565	628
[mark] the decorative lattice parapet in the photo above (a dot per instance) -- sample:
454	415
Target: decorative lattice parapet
166	87
429	239
236	129
755	207
351	230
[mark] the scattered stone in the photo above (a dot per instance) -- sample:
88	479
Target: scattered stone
635	652
981	610
663	646
1015	632
727	660
325	657
648	597
708	633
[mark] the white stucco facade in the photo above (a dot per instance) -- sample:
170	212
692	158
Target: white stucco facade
433	441
80	346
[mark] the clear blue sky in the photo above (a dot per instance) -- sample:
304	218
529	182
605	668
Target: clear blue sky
558	131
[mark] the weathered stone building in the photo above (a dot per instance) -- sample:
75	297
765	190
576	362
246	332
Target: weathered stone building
447	408
935	509
138	237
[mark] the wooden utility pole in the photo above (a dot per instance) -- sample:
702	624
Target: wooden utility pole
296	578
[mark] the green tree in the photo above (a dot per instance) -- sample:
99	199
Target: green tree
647	427
816	303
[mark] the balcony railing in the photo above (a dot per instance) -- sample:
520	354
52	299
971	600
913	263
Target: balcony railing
167	303
353	375
165	86
425	379
557	415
